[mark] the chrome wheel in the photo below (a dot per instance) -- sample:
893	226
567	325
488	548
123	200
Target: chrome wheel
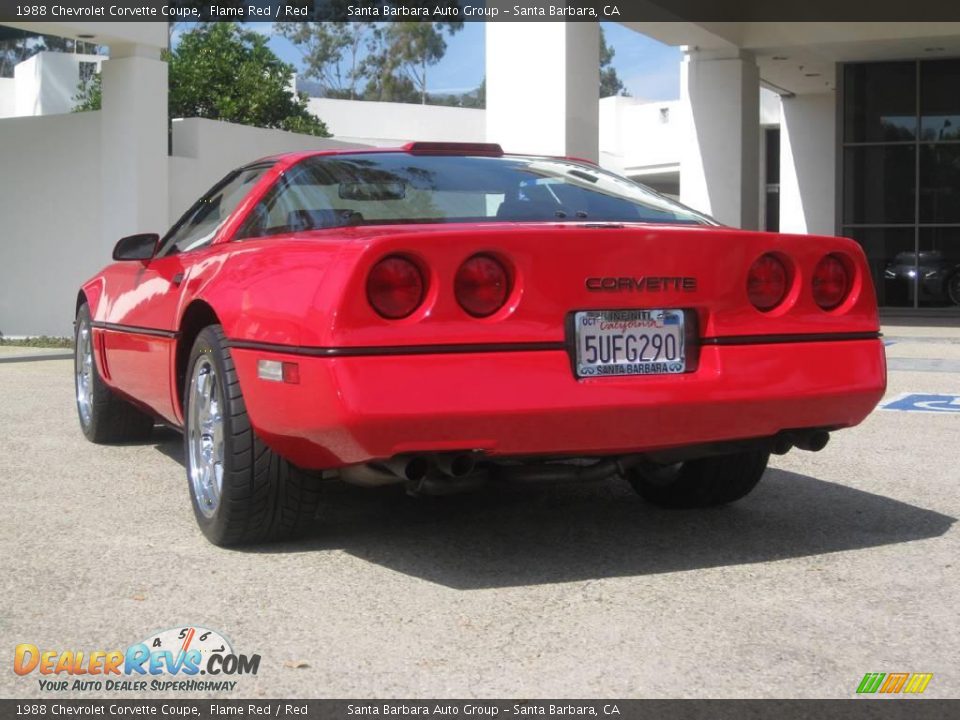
205	436
83	366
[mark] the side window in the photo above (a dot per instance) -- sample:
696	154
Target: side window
199	225
295	203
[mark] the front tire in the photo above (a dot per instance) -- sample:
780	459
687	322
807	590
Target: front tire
241	491
705	482
104	417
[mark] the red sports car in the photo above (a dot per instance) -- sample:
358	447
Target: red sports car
443	314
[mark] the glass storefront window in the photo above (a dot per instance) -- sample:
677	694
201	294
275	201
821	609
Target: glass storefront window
939	106
879	182
938	267
890	253
880	102
940	183
901	178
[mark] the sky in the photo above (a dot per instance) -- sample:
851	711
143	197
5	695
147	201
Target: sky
649	70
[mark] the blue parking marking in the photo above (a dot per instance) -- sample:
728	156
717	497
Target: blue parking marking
888	343
919	402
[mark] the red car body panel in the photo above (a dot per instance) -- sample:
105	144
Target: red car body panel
371	388
528	403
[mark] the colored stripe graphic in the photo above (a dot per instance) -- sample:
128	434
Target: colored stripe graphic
918	682
870	683
893	683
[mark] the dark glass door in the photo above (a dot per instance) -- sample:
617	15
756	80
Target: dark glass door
901	177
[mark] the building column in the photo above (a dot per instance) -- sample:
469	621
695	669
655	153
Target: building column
720	158
134	167
543	87
808	180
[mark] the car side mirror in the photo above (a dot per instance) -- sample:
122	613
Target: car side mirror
136	247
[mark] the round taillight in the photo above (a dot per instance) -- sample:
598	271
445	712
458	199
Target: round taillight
482	285
767	282
831	282
395	287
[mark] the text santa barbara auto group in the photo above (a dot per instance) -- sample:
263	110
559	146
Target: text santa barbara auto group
469	11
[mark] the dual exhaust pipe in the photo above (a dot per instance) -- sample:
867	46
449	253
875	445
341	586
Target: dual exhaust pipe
417	467
810	440
440	474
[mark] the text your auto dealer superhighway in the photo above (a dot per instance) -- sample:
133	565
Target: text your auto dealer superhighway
141	11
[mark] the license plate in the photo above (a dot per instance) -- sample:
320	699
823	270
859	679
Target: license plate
629	342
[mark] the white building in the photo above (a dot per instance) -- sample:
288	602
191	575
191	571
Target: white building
868	144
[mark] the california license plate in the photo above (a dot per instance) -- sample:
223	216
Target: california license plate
629	342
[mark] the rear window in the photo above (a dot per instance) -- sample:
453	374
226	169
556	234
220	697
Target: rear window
390	188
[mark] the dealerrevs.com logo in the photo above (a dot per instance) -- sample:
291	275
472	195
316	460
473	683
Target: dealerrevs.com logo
169	661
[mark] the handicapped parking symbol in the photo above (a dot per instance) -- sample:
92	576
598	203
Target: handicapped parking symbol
918	402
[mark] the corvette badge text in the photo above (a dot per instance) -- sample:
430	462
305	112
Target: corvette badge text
643	283
168	661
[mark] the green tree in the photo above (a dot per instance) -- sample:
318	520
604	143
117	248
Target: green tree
476	98
610	83
332	53
220	71
373	60
415	46
89	94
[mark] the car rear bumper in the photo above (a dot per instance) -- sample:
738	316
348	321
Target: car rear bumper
346	410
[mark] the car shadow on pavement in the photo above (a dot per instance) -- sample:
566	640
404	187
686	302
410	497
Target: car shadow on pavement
509	536
512	535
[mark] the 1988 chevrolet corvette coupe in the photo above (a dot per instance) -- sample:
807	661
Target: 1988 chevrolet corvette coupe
444	314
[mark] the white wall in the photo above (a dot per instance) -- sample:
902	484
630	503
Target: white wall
769	107
8	97
47	82
50	205
808	164
397	123
638	134
206	150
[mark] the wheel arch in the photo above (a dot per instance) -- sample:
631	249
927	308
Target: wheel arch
89	294
198	315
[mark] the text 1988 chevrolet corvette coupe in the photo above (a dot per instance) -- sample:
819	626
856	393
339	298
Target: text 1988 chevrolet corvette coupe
442	314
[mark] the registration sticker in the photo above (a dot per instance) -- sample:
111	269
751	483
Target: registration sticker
629	342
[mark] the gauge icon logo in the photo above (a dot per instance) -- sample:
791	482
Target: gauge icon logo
181	640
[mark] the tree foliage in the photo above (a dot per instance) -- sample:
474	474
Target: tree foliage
332	53
371	60
222	72
610	82
89	95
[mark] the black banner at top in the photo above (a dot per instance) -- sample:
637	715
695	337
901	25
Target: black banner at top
891	709
479	10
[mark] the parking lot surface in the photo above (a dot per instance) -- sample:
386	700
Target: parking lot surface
841	563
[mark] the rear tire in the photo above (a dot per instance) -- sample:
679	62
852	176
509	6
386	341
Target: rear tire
701	483
241	491
104	416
